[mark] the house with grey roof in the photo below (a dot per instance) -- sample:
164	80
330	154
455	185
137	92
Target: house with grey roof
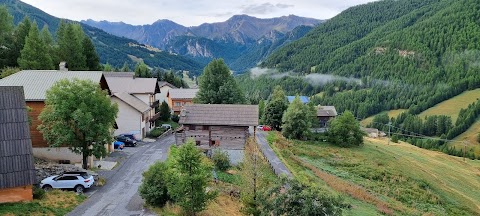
35	84
136	99
325	113
17	171
164	89
177	98
218	126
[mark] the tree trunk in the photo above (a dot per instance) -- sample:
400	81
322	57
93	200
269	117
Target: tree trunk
85	156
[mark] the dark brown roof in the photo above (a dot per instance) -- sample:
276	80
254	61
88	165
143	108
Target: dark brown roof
326	111
16	159
220	114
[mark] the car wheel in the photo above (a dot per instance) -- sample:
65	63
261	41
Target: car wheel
47	187
79	189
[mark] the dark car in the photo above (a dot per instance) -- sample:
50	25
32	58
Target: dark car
129	135
127	141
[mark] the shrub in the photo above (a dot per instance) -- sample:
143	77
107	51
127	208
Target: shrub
38	193
175	118
221	159
156	132
154	185
395	138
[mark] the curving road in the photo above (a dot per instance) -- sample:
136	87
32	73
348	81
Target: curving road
119	196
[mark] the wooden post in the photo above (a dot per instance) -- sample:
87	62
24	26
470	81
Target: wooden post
209	136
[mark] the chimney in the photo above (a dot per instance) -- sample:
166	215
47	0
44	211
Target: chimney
63	66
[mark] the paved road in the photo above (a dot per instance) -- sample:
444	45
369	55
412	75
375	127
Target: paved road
119	197
278	167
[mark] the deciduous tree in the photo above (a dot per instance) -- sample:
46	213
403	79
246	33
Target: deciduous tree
345	131
297	120
217	85
78	114
142	70
154	185
275	108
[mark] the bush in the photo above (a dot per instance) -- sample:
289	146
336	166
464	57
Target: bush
221	159
395	138
175	118
156	132
154	185
38	193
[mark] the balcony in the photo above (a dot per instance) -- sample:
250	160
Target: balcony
155	104
155	117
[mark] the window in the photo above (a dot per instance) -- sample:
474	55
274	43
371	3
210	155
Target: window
177	103
205	127
66	178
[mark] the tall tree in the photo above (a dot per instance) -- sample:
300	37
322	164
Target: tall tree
165	112
297	120
35	55
275	108
70	109
6	37
142	70
108	68
125	67
189	176
70	46
345	131
217	85
92	59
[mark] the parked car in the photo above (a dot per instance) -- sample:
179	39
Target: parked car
68	180
166	126
264	128
118	145
127	141
130	135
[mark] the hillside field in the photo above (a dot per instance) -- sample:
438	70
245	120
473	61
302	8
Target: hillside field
453	106
395	179
391	113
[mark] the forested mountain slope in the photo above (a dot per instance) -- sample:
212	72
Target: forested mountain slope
112	49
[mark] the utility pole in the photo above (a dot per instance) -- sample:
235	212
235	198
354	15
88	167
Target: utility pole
389	129
464	150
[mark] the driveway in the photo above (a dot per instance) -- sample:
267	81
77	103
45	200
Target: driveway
278	167
120	196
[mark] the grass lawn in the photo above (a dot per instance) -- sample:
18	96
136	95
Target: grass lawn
451	107
391	113
471	137
397	179
56	202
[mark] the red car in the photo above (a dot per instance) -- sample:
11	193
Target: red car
264	128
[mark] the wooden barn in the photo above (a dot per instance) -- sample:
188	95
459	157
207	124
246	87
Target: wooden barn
17	172
218	126
325	113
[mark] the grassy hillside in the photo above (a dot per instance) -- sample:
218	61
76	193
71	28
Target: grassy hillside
471	137
395	179
453	106
391	113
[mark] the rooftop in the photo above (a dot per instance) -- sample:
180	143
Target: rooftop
132	85
16	159
163	83
220	114
182	93
328	111
132	101
304	99
36	82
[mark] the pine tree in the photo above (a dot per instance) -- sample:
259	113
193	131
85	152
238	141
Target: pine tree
34	55
47	38
217	85
275	108
142	70
297	120
125	67
108	68
165	112
70	46
92	59
6	38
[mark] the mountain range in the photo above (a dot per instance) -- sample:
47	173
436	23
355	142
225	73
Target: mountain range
238	40
110	48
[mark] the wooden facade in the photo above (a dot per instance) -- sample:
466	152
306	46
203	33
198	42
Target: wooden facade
209	137
177	104
35	134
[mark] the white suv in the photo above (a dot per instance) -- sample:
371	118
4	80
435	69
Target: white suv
68	180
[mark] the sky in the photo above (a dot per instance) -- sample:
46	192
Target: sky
189	13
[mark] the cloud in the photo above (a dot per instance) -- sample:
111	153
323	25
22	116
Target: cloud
264	8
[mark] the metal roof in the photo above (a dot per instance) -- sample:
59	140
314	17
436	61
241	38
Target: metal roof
182	93
16	159
132	85
133	101
119	74
219	114
163	83
304	99
328	111
37	82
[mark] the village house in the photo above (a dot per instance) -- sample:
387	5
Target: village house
17	171
177	98
164	88
35	84
324	114
137	103
303	99
218	126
